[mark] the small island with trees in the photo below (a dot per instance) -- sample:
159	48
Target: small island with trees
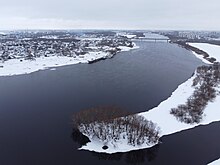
113	126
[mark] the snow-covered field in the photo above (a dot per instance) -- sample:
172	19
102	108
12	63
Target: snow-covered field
162	117
212	50
17	67
2	33
21	66
126	35
216	162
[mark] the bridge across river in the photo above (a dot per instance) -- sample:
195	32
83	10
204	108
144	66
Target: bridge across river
154	39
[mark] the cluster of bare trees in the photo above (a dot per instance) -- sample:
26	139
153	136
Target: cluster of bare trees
112	125
205	83
97	114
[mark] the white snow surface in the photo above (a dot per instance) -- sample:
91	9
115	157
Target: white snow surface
212	50
50	37
162	117
126	35
216	162
201	58
125	48
113	147
17	67
21	66
130	35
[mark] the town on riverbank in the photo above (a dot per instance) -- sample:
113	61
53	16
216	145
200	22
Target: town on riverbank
28	51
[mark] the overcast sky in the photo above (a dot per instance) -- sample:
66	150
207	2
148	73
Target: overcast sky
110	14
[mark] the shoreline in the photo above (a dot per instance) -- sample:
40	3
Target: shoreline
168	123
14	67
199	53
215	162
123	49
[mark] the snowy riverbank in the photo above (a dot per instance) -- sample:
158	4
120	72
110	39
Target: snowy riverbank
21	66
162	117
216	162
212	50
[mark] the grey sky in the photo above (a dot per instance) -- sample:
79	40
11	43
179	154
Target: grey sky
110	14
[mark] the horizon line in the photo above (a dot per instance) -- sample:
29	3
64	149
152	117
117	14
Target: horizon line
101	29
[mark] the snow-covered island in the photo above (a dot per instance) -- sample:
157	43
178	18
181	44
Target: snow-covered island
192	104
24	52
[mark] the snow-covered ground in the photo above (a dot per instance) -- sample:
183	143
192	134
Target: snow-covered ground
120	146
126	35
2	33
50	37
212	50
162	117
21	66
130	35
201	58
216	162
18	66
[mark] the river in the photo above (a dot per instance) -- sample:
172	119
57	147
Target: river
36	108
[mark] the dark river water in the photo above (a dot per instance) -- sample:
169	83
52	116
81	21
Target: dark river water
36	109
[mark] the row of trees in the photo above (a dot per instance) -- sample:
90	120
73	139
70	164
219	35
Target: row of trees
198	51
135	129
205	83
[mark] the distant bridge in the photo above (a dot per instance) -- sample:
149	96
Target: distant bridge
154	39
